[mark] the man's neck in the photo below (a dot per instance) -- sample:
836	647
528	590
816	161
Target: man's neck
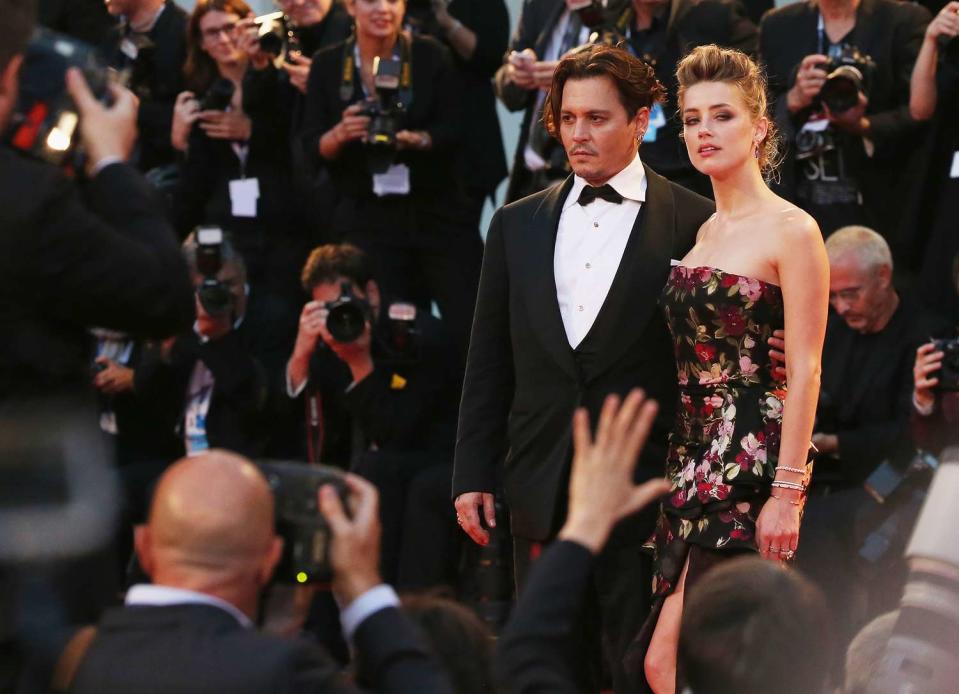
645	12
838	10
141	19
220	587
888	311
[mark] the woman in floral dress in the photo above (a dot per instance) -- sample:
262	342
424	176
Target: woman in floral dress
739	447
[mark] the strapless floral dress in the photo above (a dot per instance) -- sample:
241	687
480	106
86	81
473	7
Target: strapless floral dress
724	443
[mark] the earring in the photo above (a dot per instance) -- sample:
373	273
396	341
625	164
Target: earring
756	151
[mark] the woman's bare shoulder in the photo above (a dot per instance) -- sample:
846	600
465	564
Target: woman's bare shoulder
791	222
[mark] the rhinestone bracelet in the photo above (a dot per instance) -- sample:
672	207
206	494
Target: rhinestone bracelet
790	485
786	468
788	501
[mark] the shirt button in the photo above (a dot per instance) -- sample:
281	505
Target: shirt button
596	225
588	266
580	307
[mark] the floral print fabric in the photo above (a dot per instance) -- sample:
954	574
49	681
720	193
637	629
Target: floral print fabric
725	439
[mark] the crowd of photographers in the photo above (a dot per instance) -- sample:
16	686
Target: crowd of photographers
325	168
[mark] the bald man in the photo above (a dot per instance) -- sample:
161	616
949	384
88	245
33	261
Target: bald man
210	548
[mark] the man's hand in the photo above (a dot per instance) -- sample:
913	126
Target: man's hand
851	120
107	133
543	73
357	354
946	23
928	362
809	80
519	68
468	515
601	488
233	125
777	353
114	378
355	547
297	66
826	444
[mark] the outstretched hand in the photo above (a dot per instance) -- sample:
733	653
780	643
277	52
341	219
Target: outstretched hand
601	488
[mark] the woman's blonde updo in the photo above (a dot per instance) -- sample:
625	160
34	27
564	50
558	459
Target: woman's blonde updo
711	63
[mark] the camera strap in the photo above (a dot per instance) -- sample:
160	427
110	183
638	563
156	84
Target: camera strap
351	60
314	427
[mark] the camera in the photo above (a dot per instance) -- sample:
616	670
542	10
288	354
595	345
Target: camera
45	120
949	373
306	535
276	35
218	96
385	113
849	72
347	315
214	296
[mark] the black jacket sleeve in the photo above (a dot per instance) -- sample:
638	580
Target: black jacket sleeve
533	653
114	263
490	23
530	24
489	382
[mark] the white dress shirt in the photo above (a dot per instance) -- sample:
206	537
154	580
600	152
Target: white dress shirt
590	243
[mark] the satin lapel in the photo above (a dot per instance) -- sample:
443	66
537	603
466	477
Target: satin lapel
634	295
539	278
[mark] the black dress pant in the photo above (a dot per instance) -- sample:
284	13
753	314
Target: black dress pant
616	606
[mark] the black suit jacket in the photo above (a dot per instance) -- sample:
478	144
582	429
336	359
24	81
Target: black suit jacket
534	651
194	649
523	382
65	263
868	379
87	20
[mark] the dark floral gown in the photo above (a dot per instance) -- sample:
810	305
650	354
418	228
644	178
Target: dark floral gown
725	440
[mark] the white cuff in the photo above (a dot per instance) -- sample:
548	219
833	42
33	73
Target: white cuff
290	390
923	410
372	601
104	163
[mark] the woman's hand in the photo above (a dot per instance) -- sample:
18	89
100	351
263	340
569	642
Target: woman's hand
946	23
928	362
231	125
186	111
777	528
353	125
248	41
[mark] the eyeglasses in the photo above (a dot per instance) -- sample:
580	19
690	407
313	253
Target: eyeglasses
846	295
214	32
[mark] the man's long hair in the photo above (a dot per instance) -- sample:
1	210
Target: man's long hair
635	80
17	18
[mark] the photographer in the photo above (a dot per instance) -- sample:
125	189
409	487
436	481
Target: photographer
392	383
67	262
476	32
274	87
150	46
213	377
934	96
209	556
849	133
236	172
388	142
935	395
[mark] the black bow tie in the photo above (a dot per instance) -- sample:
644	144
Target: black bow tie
606	192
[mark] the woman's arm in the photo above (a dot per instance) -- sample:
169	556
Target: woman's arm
804	277
922	84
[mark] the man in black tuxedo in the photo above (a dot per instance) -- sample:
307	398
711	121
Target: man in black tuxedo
567	314
209	556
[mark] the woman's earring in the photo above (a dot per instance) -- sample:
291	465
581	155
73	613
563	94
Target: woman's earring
756	151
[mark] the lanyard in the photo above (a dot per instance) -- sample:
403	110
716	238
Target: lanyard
351	60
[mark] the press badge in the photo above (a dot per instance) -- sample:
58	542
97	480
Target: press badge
657	119
244	192
954	171
396	181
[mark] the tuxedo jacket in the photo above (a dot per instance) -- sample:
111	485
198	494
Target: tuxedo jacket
523	380
200	649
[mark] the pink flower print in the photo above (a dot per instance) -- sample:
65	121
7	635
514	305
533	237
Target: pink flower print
747	367
750	288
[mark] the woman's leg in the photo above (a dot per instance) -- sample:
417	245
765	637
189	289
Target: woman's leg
660	663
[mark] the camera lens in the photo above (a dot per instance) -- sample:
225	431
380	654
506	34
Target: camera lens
215	298
346	322
841	90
